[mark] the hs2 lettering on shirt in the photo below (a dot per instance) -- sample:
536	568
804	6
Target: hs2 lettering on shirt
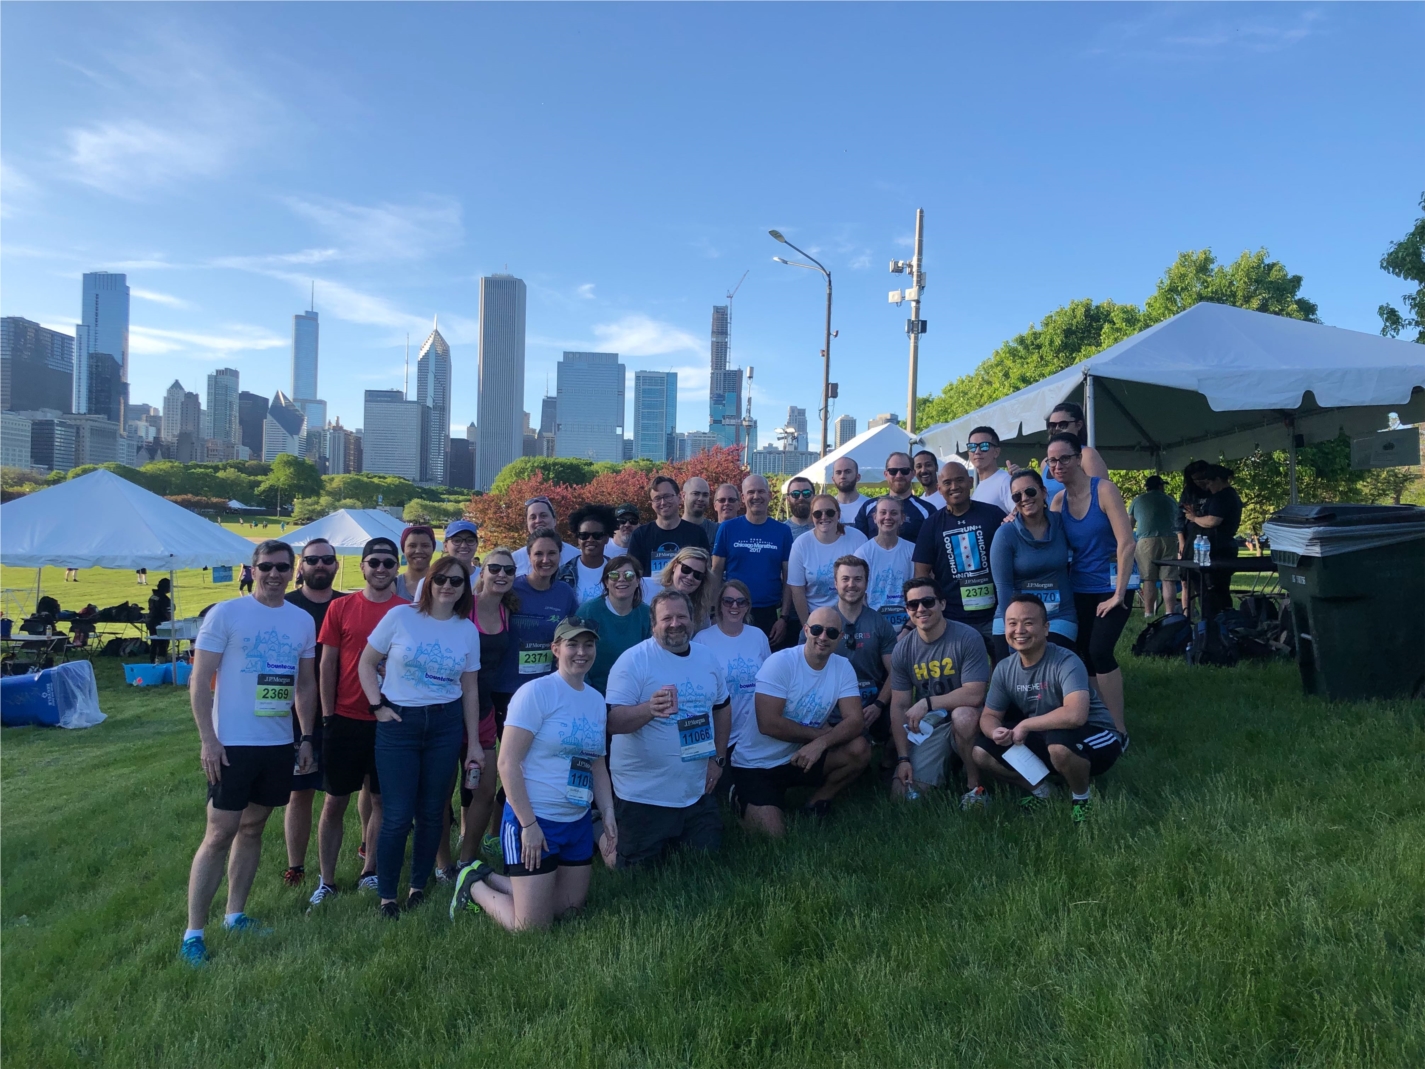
929	670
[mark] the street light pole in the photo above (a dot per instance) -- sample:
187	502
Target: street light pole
826	350
915	326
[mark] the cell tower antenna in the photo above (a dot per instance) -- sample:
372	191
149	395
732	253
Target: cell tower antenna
312	304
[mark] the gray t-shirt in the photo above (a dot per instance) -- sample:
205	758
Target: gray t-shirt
926	669
1021	692
864	643
799	527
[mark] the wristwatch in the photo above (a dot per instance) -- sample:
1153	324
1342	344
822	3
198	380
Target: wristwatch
304	738
720	761
374	706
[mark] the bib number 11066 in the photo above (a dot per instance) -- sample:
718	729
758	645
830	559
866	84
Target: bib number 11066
580	788
695	737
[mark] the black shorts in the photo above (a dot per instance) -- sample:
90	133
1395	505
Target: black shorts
349	756
311	781
646	832
1099	746
769	786
254	775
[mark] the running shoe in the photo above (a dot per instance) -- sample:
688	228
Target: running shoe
446	875
195	951
322	893
367	882
1083	810
979	797
490	847
415	899
294	875
389	911
819	810
469	876
1032	803
251	925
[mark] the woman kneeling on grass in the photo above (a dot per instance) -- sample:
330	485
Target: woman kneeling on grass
552	766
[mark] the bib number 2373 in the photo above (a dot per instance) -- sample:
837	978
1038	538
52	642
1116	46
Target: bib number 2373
274	694
695	737
580	788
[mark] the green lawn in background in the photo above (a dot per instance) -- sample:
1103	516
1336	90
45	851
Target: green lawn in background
1251	893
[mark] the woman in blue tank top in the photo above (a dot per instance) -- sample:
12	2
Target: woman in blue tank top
1101	537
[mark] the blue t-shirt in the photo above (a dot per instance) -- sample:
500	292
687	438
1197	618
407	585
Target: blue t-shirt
528	656
755	553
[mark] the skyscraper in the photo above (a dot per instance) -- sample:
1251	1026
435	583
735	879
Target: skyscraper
501	403
433	394
391	435
655	414
845	430
108	393
797	419
223	405
105	329
304	356
36	367
590	411
724	383
252	414
284	430
173	411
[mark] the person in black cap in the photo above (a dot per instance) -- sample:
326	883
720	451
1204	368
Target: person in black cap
626	519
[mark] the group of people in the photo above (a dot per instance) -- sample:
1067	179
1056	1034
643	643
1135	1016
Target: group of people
612	696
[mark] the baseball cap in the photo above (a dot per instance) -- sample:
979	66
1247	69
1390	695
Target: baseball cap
625	510
379	543
574	625
461	525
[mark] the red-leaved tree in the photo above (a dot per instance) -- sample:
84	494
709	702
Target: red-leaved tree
501	516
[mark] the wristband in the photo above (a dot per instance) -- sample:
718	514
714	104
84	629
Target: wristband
531	824
903	759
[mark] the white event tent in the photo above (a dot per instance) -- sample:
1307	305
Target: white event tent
348	530
869	449
1212	381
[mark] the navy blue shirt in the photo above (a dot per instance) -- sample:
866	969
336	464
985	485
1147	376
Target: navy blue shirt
957	548
755	553
914	513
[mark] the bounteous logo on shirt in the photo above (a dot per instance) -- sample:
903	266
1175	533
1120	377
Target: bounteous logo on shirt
270	651
430	662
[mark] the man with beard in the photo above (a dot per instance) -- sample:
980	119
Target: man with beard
898	481
670	715
696	500
316	568
846	475
799	493
927	468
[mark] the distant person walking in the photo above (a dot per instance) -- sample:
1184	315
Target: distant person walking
1153	513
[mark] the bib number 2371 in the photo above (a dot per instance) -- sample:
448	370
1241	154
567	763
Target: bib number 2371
580	788
695	737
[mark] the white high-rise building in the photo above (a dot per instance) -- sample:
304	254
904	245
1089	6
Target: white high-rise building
222	414
590	395
433	394
655	414
391	434
501	402
105	329
797	419
172	411
845	430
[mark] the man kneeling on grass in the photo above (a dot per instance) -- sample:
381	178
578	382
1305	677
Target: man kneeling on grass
792	744
1040	696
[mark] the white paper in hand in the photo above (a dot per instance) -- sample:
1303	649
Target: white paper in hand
1023	760
915	738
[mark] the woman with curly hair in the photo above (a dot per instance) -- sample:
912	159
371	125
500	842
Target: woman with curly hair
689	573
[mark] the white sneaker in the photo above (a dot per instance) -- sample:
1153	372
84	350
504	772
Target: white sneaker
367	883
322	893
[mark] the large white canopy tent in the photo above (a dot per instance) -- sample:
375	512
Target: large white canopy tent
869	449
1212	381
348	530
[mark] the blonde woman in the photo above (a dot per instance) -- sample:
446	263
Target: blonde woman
811	570
689	573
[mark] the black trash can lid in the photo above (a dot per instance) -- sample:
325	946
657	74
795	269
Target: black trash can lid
1330	515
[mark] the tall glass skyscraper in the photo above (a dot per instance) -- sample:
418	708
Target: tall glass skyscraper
105	329
304	356
36	367
501	403
433	394
655	414
724	383
590	407
223	410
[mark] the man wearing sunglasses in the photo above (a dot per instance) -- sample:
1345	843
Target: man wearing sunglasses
727	503
954	550
939	671
799	493
254	663
654	544
917	509
349	742
794	742
626	521
991	481
316	568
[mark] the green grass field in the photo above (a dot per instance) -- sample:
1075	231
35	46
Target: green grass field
1252	893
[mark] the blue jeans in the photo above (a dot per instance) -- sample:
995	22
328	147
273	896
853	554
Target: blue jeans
416	759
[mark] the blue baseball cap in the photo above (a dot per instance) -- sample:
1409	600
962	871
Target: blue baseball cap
459	526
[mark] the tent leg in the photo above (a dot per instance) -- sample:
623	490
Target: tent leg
172	620
39	574
1291	465
1090	423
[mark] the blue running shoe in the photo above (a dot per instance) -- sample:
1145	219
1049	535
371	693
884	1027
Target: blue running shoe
244	923
195	951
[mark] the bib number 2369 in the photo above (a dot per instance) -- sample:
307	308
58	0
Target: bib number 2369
274	694
695	737
580	788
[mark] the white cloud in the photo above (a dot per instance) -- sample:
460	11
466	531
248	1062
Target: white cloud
386	231
14	186
121	157
1197	33
152	341
641	335
159	298
280	259
586	291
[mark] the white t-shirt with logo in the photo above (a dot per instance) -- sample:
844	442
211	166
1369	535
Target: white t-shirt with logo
810	697
568	729
889	568
995	491
425	657
665	761
813	563
257	678
741	658
591	582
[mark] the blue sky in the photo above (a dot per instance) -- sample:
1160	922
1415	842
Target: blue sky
628	160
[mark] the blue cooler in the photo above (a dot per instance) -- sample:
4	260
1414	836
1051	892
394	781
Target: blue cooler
145	675
28	700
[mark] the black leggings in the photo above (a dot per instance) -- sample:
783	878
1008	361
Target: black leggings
1099	634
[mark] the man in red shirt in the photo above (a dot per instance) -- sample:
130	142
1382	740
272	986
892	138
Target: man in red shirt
349	739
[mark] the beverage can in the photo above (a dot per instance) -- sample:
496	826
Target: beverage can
472	777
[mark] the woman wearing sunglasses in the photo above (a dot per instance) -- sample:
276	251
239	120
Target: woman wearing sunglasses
740	650
687	573
592	525
1030	555
1068	418
621	615
427	702
811	571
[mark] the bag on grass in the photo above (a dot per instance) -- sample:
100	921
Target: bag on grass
1213	641
1165	637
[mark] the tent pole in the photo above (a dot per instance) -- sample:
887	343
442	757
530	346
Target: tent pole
39	574
173	623
1089	422
1291	459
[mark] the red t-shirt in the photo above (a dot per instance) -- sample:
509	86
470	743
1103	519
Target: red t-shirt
348	624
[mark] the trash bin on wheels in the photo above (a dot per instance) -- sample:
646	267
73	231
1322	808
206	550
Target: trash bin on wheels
1356	576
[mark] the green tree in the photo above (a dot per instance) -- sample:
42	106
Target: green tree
291	477
1251	281
1405	259
438	512
567	471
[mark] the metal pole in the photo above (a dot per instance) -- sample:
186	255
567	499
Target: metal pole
1291	459
1089	422
173	623
918	281
826	370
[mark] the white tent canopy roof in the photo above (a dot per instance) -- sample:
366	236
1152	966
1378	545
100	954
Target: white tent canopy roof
869	449
1213	380
348	530
102	521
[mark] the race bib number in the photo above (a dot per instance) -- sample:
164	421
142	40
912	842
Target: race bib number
536	660
895	615
869	691
1049	596
1135	581
977	597
695	737
274	693
580	788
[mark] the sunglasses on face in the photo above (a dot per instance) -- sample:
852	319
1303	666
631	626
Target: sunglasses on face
826	514
980	447
325	558
817	630
689	570
801	493
727	501
591	536
466	541
912	604
270	566
446	579
628	521
897	471
500	569
1055	426
627	576
1030	492
735	603
380	562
